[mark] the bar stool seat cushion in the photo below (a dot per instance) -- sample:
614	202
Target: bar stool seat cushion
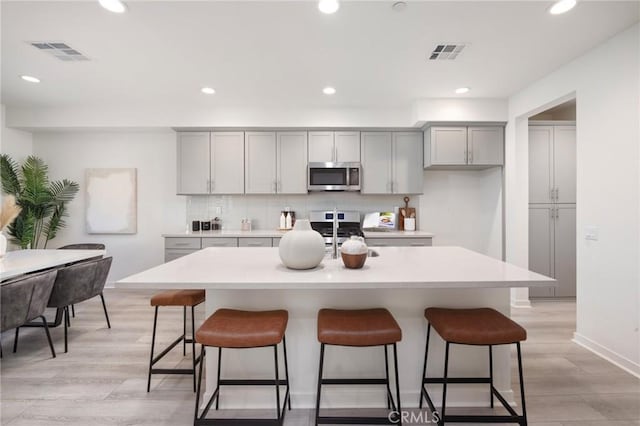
358	327
482	326
178	298
231	328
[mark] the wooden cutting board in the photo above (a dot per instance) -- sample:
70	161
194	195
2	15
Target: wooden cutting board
408	211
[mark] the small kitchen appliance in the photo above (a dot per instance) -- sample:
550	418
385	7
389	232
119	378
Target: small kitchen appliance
334	177
348	225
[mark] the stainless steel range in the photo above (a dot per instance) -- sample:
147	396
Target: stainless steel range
348	225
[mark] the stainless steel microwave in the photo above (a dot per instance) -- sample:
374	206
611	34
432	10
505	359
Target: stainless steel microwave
334	177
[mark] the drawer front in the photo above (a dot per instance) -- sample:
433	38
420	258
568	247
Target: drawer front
276	242
182	243
219	242
399	242
254	242
173	254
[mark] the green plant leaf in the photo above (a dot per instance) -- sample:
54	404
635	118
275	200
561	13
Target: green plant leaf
9	176
63	191
22	229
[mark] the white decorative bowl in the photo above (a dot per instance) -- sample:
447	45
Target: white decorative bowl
302	248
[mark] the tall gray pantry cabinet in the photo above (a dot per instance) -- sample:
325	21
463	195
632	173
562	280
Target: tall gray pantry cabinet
552	206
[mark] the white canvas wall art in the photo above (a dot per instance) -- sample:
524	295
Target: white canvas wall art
111	201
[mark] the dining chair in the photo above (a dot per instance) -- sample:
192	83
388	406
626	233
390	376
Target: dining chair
77	283
84	246
24	299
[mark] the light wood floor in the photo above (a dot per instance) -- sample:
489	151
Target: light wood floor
102	380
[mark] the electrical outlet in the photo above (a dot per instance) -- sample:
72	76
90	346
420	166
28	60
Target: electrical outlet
218	210
591	233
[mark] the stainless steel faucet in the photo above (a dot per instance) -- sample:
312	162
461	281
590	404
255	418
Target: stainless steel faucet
334	244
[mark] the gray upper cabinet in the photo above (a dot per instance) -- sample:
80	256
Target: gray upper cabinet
210	163
227	163
485	146
391	163
552	164
462	146
260	163
329	147
347	146
276	163
291	164
193	163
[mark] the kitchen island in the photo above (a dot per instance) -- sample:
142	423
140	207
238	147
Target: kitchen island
405	280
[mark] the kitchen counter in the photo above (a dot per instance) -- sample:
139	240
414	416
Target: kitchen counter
405	280
266	233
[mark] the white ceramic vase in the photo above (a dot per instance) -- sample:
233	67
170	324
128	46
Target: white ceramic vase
302	247
3	244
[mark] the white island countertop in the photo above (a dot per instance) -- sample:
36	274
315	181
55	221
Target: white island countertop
394	268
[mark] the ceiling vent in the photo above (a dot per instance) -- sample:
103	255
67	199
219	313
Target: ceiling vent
60	50
446	51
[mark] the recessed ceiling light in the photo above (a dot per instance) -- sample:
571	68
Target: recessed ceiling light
115	6
328	6
208	90
329	91
562	6
461	90
30	79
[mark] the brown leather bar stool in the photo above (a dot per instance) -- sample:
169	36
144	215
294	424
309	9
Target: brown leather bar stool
360	328
235	329
184	298
477	327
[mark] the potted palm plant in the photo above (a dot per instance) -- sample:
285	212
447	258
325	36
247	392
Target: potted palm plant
43	202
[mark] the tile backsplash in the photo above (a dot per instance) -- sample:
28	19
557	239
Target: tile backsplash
264	210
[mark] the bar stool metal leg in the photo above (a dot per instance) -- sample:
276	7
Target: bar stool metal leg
524	406
153	343
218	378
386	372
491	373
286	366
444	384
319	382
424	369
395	363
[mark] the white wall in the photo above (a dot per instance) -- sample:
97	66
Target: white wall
606	82
16	143
464	208
68	154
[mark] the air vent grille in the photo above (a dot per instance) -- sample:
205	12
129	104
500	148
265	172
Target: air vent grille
446	51
60	50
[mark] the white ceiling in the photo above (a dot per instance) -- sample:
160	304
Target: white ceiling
283	53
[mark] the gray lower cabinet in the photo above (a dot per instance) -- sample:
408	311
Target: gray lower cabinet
398	242
552	248
219	242
176	247
255	242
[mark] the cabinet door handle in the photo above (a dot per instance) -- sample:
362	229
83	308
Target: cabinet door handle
551	194
557	194
255	245
181	244
466	156
335	153
470	156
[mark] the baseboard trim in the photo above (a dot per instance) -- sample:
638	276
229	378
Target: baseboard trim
520	303
604	353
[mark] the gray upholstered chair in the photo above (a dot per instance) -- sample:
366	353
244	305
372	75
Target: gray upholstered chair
23	300
85	246
77	283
